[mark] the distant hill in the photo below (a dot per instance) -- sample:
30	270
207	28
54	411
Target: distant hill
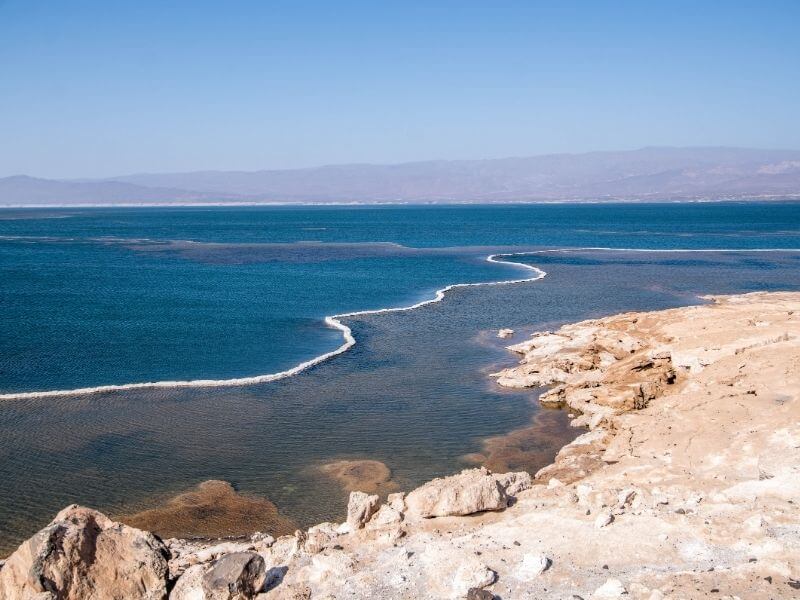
645	174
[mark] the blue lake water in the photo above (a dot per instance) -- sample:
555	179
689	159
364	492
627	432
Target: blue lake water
110	296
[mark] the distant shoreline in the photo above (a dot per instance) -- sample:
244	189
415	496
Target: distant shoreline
740	200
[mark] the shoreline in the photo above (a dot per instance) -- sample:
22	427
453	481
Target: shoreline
334	322
682	486
763	199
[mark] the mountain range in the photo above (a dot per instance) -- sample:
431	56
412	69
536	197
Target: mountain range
637	175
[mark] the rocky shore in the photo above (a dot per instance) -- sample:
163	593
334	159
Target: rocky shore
685	484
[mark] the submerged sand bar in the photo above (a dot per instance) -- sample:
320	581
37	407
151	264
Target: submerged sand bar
686	483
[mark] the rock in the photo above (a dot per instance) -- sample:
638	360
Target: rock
397	501
505	333
479	594
386	515
84	555
319	537
235	577
603	519
189	586
532	566
611	589
360	508
472	575
514	483
471	491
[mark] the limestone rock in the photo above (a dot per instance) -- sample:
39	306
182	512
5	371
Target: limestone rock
505	333
471	491
84	555
397	501
611	589
472	575
360	509
515	482
603	519
532	566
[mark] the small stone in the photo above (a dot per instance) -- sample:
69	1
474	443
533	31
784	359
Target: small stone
532	566
479	594
472	575
505	333
603	519
611	589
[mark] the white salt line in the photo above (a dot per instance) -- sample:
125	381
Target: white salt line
333	321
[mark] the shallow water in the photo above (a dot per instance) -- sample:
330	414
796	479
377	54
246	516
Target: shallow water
413	392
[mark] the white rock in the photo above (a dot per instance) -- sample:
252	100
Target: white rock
472	575
625	497
386	515
612	588
505	333
554	483
532	566
397	501
603	519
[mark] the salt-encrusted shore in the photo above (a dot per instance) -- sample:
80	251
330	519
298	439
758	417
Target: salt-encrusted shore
686	484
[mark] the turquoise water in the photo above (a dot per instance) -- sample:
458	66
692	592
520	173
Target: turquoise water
93	297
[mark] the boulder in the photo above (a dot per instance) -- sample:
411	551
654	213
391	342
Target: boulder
84	555
360	509
235	576
471	491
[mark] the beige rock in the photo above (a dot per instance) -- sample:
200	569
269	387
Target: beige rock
471	491
397	501
360	509
84	555
514	483
472	574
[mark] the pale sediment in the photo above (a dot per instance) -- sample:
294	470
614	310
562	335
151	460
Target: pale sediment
685	485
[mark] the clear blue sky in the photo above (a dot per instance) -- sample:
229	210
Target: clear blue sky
95	88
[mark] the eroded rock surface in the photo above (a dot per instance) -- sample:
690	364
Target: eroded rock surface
85	555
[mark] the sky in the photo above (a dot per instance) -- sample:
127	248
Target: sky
100	88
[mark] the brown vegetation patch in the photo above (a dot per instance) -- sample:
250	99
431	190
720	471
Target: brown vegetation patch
528	448
212	509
